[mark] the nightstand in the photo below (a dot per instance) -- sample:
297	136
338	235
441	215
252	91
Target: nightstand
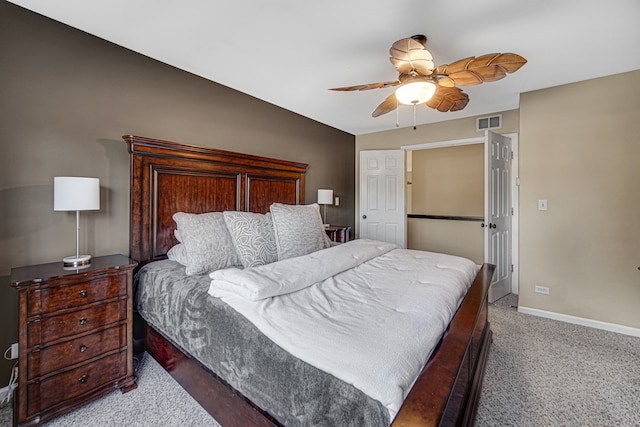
75	335
338	233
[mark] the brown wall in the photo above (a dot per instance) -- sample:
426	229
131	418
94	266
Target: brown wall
66	98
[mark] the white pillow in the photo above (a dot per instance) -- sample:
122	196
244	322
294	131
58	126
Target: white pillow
298	230
178	253
253	237
207	242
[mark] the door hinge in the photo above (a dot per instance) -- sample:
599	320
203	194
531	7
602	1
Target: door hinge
511	268
511	211
512	155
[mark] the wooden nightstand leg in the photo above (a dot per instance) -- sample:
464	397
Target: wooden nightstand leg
130	387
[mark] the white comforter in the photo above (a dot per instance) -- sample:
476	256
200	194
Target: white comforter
364	311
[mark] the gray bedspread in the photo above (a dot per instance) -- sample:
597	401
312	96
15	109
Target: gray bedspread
294	392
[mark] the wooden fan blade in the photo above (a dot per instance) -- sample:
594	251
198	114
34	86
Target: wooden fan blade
368	86
389	104
476	70
413	55
420	38
470	78
448	99
410	55
406	45
511	62
422	66
447	82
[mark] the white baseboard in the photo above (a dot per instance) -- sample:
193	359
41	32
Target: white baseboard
613	327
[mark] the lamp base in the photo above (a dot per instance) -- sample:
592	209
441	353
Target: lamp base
80	261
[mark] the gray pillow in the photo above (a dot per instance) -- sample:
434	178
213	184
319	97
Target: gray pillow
207	242
178	253
298	230
253	238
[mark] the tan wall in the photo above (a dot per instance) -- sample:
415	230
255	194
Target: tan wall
461	238
446	130
66	100
448	181
580	150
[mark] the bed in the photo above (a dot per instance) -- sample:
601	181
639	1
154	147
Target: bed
168	177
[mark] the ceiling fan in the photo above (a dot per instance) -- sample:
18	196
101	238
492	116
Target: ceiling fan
421	82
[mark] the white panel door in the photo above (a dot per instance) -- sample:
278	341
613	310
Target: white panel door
498	212
382	196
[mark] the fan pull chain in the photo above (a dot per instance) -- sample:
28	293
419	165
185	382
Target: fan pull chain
397	114
414	116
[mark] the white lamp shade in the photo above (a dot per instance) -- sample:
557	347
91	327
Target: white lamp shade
72	193
325	197
416	92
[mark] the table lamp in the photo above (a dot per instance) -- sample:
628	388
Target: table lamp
71	193
325	197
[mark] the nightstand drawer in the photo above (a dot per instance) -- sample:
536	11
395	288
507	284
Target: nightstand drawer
74	351
51	328
48	299
85	379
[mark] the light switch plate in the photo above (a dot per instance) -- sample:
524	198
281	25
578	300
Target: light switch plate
542	205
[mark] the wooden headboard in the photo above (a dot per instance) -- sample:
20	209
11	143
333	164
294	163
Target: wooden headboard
169	177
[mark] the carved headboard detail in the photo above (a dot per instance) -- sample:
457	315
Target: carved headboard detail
169	177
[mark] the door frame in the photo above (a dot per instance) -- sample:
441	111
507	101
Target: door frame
515	187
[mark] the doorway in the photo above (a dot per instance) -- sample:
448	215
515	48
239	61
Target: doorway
507	179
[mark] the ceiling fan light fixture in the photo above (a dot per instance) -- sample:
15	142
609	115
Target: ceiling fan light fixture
415	92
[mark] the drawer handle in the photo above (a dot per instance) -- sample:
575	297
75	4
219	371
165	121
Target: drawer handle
83	320
83	379
83	293
83	348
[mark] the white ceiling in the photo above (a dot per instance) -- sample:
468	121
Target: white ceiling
290	52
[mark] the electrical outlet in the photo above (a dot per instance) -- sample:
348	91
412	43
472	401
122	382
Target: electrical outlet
541	290
15	350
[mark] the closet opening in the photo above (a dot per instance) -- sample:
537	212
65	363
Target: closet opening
445	200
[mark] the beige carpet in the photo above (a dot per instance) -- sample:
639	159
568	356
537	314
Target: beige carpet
542	372
158	401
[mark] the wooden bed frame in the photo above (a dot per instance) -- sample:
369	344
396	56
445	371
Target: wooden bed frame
167	177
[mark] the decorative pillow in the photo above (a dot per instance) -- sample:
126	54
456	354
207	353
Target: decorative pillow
178	253
253	238
207	242
298	230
